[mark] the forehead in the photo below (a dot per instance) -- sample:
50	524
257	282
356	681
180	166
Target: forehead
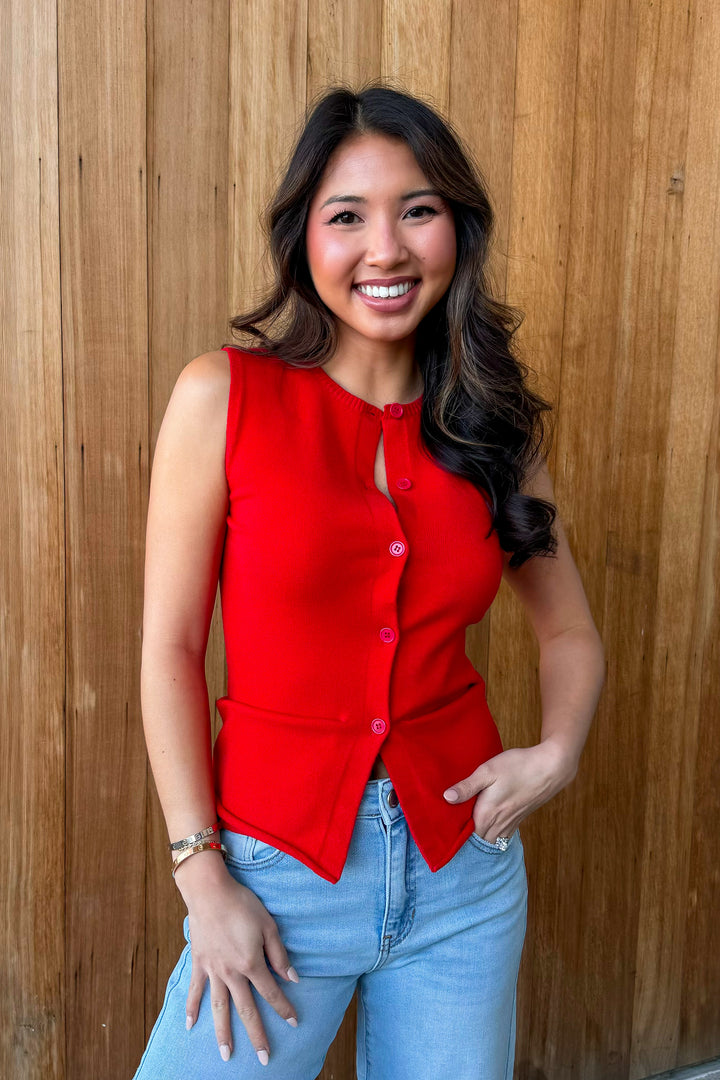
368	160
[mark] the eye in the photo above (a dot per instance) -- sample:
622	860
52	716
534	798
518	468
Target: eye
431	209
342	213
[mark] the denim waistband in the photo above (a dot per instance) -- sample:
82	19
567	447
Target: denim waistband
374	800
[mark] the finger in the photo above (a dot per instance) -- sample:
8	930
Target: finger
277	953
198	979
264	982
464	789
247	1010
220	1003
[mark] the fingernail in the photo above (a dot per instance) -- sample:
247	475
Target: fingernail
189	1022
292	1020
225	1052
263	1055
292	974
451	795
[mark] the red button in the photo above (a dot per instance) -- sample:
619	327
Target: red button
404	483
387	633
396	409
378	725
397	547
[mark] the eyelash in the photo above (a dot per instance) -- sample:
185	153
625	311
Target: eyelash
341	213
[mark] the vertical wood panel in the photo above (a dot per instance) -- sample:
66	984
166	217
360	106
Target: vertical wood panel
517	99
650	280
104	330
685	694
606	807
416	47
32	579
480	104
343	43
268	58
539	194
187	81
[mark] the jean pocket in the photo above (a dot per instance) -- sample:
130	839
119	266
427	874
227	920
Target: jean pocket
496	848
248	852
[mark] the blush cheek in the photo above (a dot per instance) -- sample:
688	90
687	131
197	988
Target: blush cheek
327	259
440	250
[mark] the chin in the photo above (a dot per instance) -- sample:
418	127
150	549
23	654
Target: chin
387	335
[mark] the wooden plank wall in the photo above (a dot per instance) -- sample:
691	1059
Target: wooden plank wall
140	152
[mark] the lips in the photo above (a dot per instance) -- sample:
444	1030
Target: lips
387	282
389	303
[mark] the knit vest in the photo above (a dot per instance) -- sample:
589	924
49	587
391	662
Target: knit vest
344	618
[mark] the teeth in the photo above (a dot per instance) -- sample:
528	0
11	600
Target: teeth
383	291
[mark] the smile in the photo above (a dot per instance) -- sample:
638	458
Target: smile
388	298
385	291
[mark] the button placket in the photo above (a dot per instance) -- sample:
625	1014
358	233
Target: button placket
387	517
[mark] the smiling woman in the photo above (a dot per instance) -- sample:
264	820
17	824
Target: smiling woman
359	482
395	236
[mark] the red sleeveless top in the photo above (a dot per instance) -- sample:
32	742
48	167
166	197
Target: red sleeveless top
345	618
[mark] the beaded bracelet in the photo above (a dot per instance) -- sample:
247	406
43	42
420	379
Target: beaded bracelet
204	845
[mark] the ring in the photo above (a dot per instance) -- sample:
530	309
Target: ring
502	842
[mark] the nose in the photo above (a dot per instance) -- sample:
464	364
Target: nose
384	244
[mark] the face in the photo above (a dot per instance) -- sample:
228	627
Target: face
375	221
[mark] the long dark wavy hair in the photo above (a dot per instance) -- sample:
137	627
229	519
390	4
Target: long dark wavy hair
480	418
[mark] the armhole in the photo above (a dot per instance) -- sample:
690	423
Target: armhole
233	412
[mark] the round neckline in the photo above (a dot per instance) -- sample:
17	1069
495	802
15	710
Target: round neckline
356	402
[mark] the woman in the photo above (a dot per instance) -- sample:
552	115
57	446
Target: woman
359	481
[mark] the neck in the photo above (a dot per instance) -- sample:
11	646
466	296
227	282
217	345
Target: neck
379	371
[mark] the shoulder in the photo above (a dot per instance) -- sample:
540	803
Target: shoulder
202	392
209	375
195	418
206	378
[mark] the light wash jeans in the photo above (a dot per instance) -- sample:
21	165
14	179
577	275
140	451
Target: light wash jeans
434	958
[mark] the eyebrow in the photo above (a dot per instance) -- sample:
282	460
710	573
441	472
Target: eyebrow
359	199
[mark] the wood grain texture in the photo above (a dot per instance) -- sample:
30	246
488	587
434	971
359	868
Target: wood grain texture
33	574
344	43
416	47
103	243
683	753
597	129
268	51
538	196
188	109
481	104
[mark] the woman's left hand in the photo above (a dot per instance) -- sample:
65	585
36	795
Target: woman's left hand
512	784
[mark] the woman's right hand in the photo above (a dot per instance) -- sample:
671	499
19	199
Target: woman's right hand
231	931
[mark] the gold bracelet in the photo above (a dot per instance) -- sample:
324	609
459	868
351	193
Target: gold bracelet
180	845
204	845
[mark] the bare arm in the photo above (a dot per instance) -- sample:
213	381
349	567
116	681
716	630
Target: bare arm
185	535
571	664
572	671
231	931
